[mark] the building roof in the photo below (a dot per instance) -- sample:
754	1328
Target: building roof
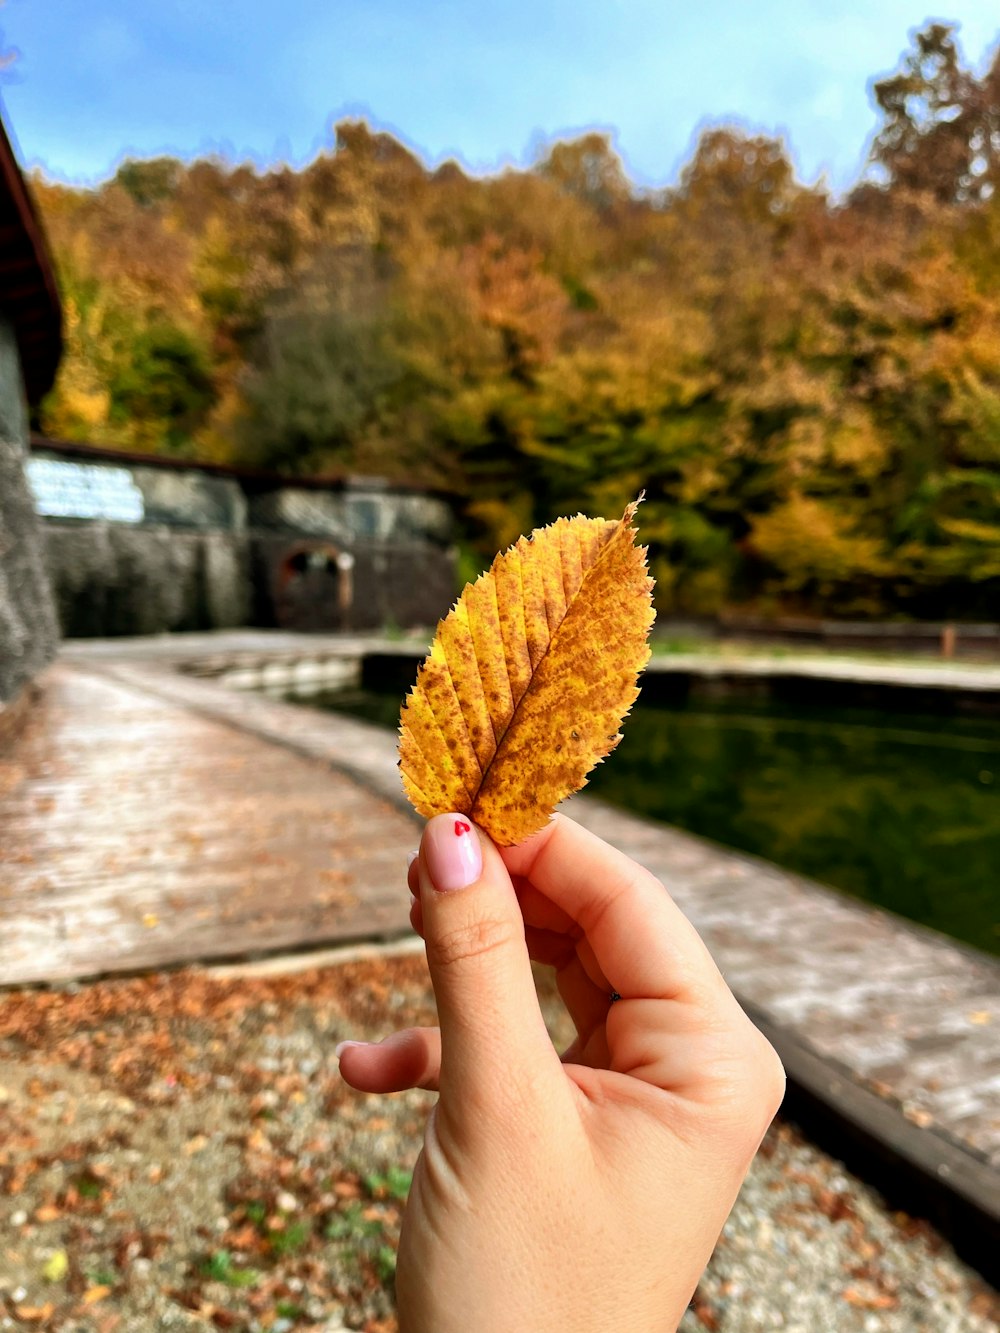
28	294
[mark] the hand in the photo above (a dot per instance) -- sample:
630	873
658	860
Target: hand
564	1196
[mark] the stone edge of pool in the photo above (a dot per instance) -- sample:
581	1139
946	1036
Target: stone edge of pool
922	1161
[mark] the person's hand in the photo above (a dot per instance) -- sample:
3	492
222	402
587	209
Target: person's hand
578	1195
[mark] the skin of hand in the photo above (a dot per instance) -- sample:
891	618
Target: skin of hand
581	1194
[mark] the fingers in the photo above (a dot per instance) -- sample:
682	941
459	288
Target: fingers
642	943
409	1059
494	1041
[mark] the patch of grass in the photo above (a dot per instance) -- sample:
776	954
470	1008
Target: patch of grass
385	1262
101	1277
395	1183
352	1225
219	1267
663	647
289	1239
88	1186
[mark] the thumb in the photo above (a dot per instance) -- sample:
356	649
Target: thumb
493	1039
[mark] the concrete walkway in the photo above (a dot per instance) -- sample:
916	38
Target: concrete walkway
151	816
137	833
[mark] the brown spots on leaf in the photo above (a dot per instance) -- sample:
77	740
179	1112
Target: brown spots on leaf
547	644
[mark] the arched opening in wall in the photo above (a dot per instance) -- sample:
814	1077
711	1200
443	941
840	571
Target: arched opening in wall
314	588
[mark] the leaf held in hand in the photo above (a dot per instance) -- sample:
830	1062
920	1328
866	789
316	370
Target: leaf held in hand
529	677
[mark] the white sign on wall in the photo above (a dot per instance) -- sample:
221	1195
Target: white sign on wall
81	490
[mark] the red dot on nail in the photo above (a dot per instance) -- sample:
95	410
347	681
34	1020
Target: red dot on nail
461	828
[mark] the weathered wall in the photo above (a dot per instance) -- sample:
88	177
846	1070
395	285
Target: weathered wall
28	630
112	579
133	548
390	584
366	510
397	543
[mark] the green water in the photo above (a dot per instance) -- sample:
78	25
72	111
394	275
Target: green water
900	810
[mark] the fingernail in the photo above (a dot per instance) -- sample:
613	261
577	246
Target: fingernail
452	853
342	1046
410	858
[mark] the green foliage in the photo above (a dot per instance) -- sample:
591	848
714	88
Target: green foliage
807	391
385	1262
219	1266
366	1236
289	1239
352	1225
316	388
150	182
289	1310
166	380
395	1183
102	1277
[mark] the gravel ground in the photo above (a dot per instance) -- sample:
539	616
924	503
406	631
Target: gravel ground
178	1152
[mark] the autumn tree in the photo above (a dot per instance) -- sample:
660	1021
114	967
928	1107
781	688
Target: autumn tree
939	135
807	389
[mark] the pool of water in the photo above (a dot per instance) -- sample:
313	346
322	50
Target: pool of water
900	810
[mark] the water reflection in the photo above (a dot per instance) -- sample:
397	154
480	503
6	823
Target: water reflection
901	810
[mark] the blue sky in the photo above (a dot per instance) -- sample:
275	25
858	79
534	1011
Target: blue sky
476	79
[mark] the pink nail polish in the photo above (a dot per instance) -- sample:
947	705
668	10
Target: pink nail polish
452	853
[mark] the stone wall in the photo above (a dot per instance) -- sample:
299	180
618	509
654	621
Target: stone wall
111	579
134	547
28	631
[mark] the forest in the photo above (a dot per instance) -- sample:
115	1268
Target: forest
806	387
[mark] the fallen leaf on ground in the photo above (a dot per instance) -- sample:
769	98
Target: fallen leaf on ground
34	1314
529	677
56	1266
869	1300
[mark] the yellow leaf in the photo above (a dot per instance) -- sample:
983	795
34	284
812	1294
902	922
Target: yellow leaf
529	677
56	1266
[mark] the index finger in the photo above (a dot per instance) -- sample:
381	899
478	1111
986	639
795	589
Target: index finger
644	943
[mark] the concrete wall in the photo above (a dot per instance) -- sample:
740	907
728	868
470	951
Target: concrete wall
28	631
401	563
111	579
133	548
364	511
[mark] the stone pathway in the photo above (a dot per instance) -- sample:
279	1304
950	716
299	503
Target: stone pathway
151	816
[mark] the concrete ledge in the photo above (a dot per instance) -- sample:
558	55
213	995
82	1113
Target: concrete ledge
919	1172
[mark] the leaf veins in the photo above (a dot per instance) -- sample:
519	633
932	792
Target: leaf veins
529	677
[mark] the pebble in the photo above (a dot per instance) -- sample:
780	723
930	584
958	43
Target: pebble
783	1265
